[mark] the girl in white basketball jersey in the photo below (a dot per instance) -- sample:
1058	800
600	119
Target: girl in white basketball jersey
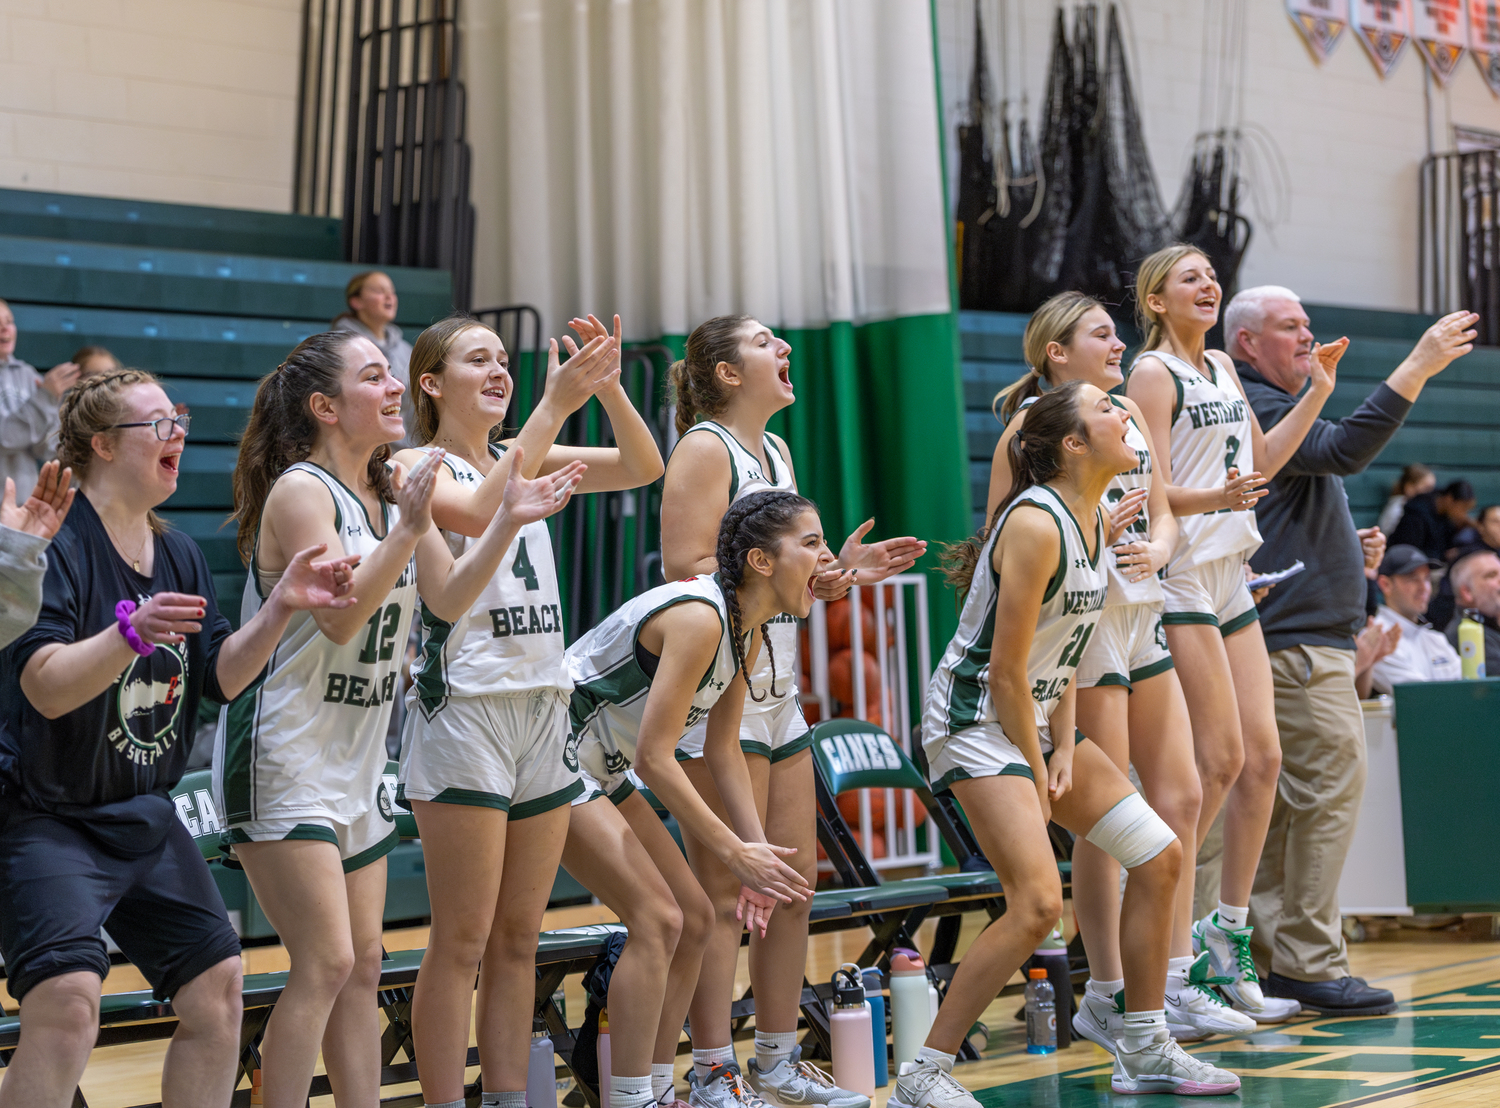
483	763
998	731
734	376
1214	459
300	755
667	659
1129	701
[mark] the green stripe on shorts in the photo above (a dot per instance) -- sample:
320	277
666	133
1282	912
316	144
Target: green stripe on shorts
1154	669
1239	622
1172	619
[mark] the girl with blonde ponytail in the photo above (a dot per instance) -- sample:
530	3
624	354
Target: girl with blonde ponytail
1214	461
999	734
735	375
1129	700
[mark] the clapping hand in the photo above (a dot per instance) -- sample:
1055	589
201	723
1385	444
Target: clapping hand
414	491
527	501
46	507
306	584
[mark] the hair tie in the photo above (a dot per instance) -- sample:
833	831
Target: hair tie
1021	436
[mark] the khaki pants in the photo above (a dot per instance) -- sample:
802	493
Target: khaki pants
1295	906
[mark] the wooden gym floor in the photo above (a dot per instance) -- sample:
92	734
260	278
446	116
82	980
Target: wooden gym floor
1442	1047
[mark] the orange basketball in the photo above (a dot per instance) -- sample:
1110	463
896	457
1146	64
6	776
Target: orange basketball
841	679
838	626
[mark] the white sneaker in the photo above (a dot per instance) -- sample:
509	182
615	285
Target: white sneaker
725	1088
1162	1066
1229	956
792	1083
928	1085
1100	1021
1195	1011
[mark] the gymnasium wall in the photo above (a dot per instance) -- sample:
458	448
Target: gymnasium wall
1351	142
190	101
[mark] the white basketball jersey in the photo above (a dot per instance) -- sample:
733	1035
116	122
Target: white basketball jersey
511	640
1211	432
959	695
309	738
749	476
1122	591
610	687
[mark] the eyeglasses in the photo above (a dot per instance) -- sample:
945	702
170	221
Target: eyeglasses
163	425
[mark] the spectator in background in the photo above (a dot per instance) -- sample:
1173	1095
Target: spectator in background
1421	653
372	313
1476	587
1432	521
1483	533
1415	479
28	409
1309	623
94	359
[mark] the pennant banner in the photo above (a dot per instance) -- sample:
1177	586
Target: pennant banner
1484	40
1441	34
1321	23
1383	26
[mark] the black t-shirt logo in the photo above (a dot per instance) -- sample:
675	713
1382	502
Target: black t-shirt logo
148	703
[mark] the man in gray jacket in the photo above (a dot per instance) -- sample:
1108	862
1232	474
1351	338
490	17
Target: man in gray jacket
25	531
1309	623
28	409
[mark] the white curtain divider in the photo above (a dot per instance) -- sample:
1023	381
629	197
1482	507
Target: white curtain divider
678	159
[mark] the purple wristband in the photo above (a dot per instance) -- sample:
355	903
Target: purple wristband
123	611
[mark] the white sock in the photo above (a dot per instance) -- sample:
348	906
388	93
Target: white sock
1105	990
705	1060
507	1098
771	1047
449	1104
1232	918
1180	966
944	1061
1141	1028
661	1082
629	1092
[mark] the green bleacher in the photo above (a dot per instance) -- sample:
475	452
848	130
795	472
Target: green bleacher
1452	428
210	299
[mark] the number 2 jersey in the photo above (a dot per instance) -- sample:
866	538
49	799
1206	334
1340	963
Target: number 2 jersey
959	695
511	640
308	739
1211	431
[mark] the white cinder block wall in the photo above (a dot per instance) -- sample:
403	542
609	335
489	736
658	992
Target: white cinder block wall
190	101
1352	143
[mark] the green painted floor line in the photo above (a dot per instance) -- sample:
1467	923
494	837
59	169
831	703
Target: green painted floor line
1435	1039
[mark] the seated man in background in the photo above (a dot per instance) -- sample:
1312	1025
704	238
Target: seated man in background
1432	522
28	410
1421	653
1476	586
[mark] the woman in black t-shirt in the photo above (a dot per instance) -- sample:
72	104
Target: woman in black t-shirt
109	679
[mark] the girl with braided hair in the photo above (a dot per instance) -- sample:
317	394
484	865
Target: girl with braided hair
998	731
675	656
300	757
734	376
1129	700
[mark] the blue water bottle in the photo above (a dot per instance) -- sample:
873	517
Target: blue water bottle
1041	1014
875	997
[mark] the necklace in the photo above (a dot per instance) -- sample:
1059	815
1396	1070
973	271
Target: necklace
135	563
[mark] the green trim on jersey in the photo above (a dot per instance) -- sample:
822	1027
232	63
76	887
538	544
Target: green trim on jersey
241	725
539	805
385	509
432	678
966	693
1056	581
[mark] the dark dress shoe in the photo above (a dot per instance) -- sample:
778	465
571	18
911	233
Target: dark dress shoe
1346	996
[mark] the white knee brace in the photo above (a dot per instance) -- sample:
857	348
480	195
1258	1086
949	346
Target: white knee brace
1131	832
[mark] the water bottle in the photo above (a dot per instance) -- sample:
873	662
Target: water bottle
541	1069
604	1070
1471	645
849	1030
1041	1014
1052	956
875	998
911	1006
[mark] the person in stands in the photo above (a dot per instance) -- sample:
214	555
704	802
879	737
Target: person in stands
92	360
1309	622
28	409
1421	653
1415	479
1476	587
371	297
1433	521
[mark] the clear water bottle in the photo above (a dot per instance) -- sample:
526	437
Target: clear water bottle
1041	1014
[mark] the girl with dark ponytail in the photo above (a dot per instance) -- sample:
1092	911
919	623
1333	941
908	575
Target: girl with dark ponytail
299	758
734	376
1129	700
676	655
998	732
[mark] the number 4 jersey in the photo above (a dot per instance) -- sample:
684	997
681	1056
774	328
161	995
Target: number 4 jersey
308	739
511	640
959	695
